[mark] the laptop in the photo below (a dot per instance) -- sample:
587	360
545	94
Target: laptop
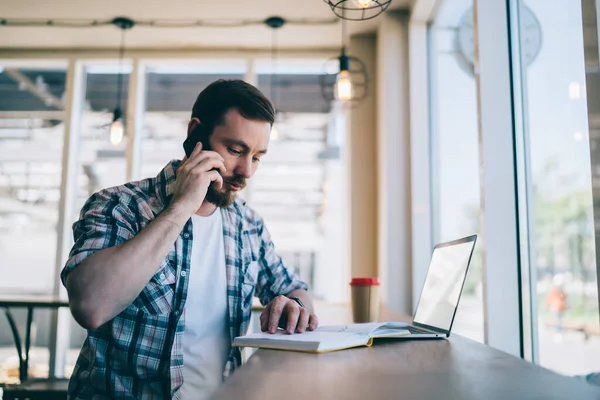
442	289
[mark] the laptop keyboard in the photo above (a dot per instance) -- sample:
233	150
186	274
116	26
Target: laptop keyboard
415	330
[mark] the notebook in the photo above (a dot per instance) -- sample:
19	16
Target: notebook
324	338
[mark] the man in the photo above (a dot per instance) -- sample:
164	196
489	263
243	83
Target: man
163	271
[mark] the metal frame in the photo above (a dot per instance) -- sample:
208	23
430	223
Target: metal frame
421	155
434	148
525	203
499	225
345	9
23	356
359	75
591	19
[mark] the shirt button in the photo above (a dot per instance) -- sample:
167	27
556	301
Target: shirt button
162	276
183	273
186	235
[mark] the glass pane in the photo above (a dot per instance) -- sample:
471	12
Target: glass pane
31	145
455	146
562	245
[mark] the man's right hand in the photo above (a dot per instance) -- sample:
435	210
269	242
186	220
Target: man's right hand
193	177
119	273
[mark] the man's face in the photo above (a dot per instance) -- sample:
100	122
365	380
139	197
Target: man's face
241	142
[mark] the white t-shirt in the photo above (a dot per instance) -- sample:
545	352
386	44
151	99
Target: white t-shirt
206	341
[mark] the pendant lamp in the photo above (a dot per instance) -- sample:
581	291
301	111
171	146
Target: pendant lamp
358	10
274	23
345	77
117	126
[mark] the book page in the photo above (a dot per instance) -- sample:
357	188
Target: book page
390	330
371	329
317	336
334	332
363	329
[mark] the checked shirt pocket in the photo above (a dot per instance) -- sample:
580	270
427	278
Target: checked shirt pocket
249	283
157	297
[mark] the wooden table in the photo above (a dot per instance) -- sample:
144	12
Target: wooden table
456	368
30	303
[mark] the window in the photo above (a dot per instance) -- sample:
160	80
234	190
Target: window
171	92
455	149
31	143
300	185
102	164
563	264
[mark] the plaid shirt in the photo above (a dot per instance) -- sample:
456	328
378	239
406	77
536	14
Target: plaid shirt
139	353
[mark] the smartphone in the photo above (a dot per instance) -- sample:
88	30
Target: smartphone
199	134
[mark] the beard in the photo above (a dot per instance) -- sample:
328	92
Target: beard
224	198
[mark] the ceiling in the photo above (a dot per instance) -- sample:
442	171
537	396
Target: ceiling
326	34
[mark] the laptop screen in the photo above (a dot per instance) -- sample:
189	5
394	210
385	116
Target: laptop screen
443	284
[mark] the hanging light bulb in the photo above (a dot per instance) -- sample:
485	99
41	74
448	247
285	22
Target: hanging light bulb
117	126
274	23
363	3
343	81
343	86
117	130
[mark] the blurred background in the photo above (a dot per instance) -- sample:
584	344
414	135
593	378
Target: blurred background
359	184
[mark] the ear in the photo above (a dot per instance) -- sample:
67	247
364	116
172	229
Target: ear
193	124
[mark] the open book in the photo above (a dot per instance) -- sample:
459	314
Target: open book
324	338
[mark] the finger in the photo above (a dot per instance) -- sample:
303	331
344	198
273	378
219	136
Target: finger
303	320
275	314
264	319
197	159
313	322
199	155
216	177
187	162
211	163
211	153
197	150
293	313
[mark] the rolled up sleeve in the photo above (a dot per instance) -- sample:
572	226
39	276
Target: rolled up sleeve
103	222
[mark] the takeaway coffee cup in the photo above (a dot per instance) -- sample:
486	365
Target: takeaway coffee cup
365	299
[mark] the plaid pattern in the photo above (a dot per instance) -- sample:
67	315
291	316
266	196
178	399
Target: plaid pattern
139	353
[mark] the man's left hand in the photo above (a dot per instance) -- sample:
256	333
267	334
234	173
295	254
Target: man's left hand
287	314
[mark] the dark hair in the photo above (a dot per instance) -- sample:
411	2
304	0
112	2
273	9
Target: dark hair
223	95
